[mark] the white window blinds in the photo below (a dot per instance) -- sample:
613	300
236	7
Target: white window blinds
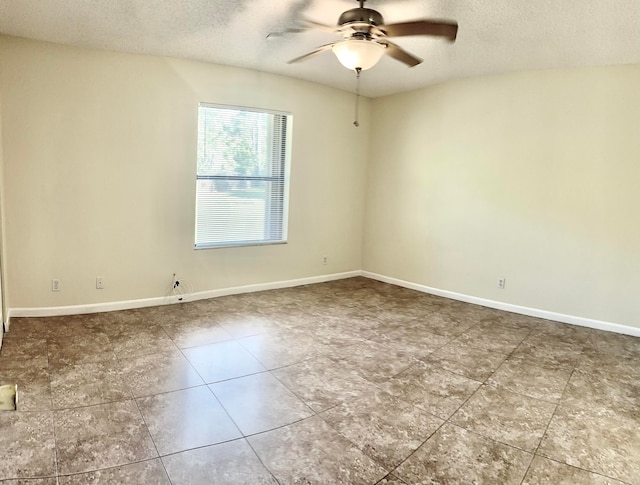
242	177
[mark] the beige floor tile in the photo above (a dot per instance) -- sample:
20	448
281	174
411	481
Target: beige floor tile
23	352
609	363
322	383
247	324
131	321
414	309
34	390
65	328
383	427
412	336
446	324
550	330
375	361
431	388
31	481
505	416
550	352
311	452
602	389
27	328
454	455
184	310
152	374
277	349
548	472
391	480
471	312
495	337
296	318
222	360
80	350
532	379
609	343
101	436
518	320
230	463
28	445
150	471
335	332
141	341
462	358
260	402
186	419
195	331
600	441
87	384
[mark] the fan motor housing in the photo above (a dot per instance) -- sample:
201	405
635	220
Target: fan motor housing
361	15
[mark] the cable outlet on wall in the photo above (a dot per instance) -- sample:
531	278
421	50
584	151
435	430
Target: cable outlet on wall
325	259
501	283
99	282
55	284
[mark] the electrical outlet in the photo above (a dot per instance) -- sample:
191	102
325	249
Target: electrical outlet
55	284
99	282
501	283
325	259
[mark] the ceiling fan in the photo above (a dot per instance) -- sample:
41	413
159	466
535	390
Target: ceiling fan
365	37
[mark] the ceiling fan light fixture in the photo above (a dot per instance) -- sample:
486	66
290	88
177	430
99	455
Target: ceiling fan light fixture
358	53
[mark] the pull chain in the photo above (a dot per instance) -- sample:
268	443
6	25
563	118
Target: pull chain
356	123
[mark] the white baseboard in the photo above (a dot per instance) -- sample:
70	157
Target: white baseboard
168	300
532	312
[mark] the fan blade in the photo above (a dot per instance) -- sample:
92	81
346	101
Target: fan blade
309	25
315	52
315	25
399	54
449	30
271	35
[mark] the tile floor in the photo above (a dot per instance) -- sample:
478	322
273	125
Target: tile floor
352	381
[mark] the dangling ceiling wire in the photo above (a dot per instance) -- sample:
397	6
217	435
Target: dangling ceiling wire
356	123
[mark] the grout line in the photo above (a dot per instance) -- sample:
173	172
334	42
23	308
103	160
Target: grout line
53	419
419	446
447	421
535	452
581	469
144	421
214	396
304	401
260	459
108	467
151	438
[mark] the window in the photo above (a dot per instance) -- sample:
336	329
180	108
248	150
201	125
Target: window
242	177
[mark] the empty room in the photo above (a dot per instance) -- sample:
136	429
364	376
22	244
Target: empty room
320	242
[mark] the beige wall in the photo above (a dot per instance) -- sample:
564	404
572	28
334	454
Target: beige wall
99	157
531	176
3	312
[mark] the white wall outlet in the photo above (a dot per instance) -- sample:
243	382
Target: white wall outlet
55	284
501	283
99	282
325	259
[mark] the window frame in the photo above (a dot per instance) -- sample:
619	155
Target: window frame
280	173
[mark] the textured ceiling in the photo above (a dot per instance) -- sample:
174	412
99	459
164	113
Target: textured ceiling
494	36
